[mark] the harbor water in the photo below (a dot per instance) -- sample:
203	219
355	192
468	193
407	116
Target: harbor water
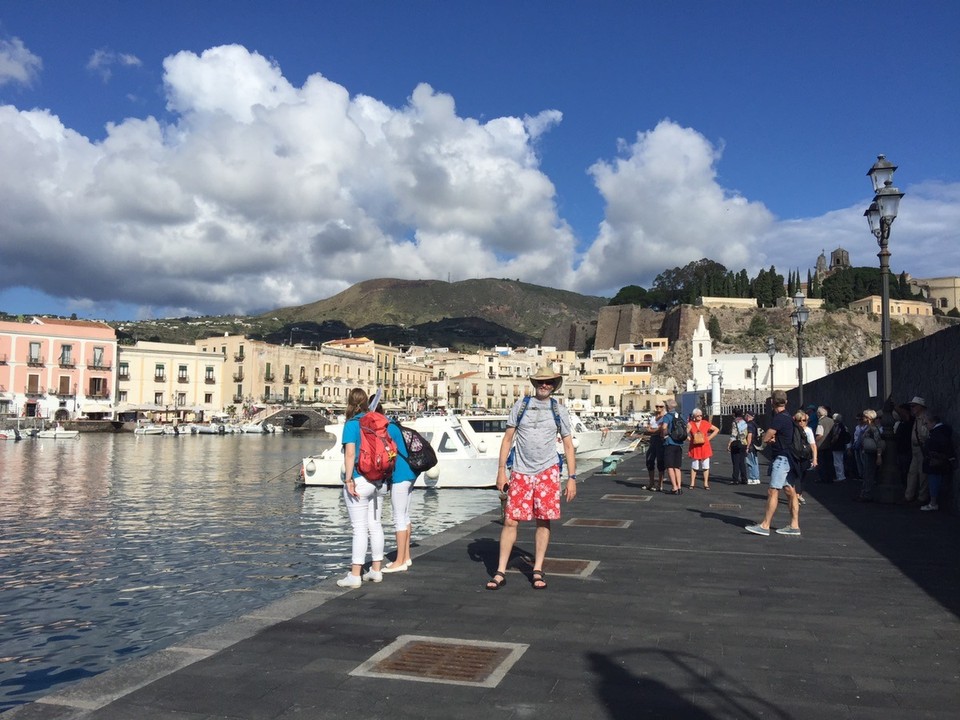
115	546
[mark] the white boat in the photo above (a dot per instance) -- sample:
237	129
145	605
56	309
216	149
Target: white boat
460	464
211	429
58	433
148	430
487	433
256	428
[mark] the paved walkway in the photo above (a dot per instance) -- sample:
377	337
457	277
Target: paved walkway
668	609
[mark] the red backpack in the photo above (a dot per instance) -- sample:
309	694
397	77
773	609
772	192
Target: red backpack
378	452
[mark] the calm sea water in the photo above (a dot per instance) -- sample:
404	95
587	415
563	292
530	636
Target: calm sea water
115	546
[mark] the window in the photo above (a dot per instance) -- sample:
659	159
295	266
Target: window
158	398
596	400
66	356
208	374
240	390
98	357
159	372
64	385
182	373
208	398
181	399
34	356
98	387
123	371
122	396
610	399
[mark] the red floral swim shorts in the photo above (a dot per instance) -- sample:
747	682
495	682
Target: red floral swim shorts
534	496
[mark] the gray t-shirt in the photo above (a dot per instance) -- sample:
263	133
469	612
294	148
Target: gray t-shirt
535	442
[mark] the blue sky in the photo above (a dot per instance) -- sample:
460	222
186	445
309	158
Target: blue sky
231	157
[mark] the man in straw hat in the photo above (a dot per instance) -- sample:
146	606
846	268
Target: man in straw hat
533	485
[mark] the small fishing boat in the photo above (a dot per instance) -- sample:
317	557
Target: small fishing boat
57	432
460	464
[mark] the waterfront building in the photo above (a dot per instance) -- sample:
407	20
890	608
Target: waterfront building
57	369
170	381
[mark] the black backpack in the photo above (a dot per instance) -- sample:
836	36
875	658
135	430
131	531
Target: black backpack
678	429
799	448
416	450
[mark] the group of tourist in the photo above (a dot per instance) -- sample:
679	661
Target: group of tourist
530	470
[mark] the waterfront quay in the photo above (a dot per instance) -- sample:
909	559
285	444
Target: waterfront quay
658	606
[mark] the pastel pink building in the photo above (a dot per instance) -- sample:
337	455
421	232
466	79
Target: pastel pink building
58	369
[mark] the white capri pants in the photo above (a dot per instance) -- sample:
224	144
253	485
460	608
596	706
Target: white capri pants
365	512
400	504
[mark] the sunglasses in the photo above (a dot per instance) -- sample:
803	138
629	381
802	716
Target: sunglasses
659	407
541	383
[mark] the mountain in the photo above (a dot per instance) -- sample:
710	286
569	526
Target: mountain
520	307
462	315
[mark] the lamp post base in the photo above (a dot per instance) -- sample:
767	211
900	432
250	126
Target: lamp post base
889	485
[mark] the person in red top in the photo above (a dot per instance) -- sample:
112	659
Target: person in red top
700	452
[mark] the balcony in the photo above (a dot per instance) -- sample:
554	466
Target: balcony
67	364
237	376
34	391
238	399
269	378
238	357
123	376
287	379
317	381
99	394
98	366
63	393
34	361
209	380
183	379
3	359
160	378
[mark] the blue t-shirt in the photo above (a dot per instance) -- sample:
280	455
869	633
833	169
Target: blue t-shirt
668	421
401	471
783	424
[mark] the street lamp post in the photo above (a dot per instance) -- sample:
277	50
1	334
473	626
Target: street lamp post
799	318
755	368
880	216
771	351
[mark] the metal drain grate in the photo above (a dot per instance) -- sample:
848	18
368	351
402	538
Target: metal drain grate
597	522
443	660
725	506
563	567
626	498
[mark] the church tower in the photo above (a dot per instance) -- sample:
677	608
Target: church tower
702	346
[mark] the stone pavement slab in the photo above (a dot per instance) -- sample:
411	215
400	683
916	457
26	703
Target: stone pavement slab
680	614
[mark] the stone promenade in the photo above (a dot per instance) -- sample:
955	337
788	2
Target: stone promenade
658	606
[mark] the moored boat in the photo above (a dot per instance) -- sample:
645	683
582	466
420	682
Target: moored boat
58	432
460	463
487	431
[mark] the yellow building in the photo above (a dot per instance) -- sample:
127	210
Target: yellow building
943	293
172	380
898	308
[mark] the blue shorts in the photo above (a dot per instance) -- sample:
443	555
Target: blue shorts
780	475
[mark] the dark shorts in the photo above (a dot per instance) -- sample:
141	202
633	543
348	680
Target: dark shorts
655	454
673	456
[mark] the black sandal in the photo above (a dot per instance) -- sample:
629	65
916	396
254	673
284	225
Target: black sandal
538	577
494	584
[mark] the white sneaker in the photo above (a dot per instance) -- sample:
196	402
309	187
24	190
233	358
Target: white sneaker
373	576
930	506
350	581
753	482
393	567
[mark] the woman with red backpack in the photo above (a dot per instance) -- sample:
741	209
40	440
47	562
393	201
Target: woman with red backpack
363	496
